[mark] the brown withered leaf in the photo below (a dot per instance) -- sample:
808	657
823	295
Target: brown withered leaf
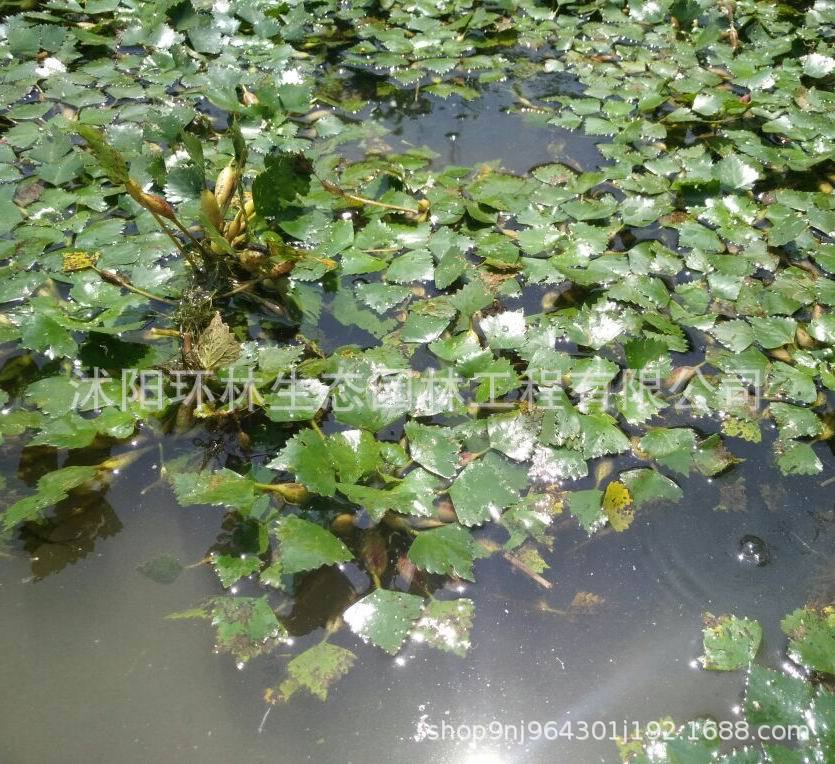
216	346
585	603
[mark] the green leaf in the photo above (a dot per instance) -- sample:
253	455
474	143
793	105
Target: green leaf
822	329
504	331
641	352
735	335
413	266
299	401
792	383
811	633
422	326
233	567
306	546
823	722
220	488
530	518
711	457
307	456
600	436
773	332
416	493
817	65
648	486
384	618
276	190
434	448
553	465
448	550
353	454
382	297
514	434
246	626
378	501
587	508
111	160
693	744
795	421
774	699
348	312
636	403
316	670
68	431
795	458
730	643
446	625
745	429
735	173
497	379
673	448
484	488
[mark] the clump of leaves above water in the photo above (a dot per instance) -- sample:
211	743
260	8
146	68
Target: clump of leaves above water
188	222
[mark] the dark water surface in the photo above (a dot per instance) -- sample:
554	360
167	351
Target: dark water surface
469	133
91	670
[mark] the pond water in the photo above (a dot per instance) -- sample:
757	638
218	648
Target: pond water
92	670
597	188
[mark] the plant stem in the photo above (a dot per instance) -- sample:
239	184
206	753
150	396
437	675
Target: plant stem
167	231
334	189
121	281
242	287
188	233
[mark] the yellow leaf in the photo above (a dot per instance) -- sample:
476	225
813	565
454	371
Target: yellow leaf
617	506
79	260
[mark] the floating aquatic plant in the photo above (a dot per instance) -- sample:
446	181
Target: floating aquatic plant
181	227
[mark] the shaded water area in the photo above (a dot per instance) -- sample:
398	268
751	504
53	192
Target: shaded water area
92	671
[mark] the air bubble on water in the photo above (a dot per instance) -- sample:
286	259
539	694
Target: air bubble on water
753	551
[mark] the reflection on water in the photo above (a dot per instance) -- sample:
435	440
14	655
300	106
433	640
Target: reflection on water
69	533
468	133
